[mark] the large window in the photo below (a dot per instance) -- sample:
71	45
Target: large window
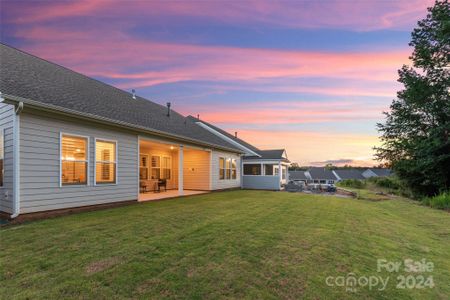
252	169
2	155
74	160
105	161
233	169
221	168
270	169
227	168
156	167
143	167
166	167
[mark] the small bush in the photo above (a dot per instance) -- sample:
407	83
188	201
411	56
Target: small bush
441	201
353	183
386	182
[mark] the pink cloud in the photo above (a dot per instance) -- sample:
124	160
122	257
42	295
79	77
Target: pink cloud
171	62
356	15
289	113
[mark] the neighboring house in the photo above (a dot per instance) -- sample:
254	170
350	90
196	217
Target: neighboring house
261	168
318	175
298	176
348	174
377	172
68	140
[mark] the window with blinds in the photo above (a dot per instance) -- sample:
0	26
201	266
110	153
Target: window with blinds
166	167
156	167
74	160
105	161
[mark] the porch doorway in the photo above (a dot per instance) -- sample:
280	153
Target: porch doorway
170	170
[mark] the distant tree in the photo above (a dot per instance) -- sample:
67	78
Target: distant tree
415	135
330	166
294	166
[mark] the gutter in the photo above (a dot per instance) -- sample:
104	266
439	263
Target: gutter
16	160
10	99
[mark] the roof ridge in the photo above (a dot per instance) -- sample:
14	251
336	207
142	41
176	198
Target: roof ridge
80	74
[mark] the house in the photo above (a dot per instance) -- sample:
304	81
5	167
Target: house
298	176
318	175
69	141
344	174
377	172
261	168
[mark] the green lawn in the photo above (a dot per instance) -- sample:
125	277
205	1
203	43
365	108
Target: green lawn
239	244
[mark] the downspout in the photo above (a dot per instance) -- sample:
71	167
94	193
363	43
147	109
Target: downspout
16	160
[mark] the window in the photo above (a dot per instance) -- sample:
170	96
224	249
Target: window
156	167
74	160
233	169
270	169
143	167
166	167
221	168
252	169
283	172
276	171
105	161
228	168
2	156
330	181
322	181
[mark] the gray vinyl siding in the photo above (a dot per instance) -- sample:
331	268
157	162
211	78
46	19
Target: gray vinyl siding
40	163
7	125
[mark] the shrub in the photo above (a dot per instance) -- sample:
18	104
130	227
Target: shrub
353	183
441	201
386	182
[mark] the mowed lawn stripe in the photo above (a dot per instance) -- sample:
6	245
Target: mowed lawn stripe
237	244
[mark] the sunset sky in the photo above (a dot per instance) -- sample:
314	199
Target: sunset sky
309	76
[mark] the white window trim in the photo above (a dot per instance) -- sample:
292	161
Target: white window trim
61	133
224	168
151	167
161	168
147	167
116	161
235	168
262	169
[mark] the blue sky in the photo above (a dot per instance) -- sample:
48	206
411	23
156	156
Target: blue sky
309	76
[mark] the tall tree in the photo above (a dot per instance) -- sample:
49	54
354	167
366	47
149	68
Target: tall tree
415	135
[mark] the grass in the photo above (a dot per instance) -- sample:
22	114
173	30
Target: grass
239	244
441	201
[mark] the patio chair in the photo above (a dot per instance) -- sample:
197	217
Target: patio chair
160	183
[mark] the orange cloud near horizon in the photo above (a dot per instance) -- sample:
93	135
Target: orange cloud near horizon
313	148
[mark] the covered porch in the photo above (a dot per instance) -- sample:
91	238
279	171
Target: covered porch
168	170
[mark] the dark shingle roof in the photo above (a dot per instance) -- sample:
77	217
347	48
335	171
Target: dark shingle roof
321	173
381	172
26	76
238	140
268	154
297	175
350	174
264	154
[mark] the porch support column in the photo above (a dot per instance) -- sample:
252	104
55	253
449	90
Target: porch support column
180	170
280	170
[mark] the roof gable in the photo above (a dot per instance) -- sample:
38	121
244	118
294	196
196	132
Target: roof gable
27	76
